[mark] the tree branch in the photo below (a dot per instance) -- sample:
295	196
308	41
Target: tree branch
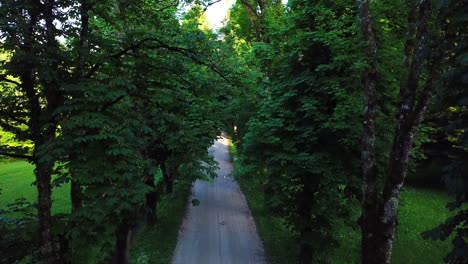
116	55
3	77
8	127
210	4
113	102
16	155
248	6
12	117
193	56
175	4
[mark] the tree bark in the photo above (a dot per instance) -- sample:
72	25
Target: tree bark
44	204
398	168
368	155
122	246
84	39
254	20
151	203
42	171
75	194
306	253
168	176
379	214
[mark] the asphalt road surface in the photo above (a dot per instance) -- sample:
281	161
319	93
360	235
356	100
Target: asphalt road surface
221	229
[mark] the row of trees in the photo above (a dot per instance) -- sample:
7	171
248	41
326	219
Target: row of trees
317	65
114	97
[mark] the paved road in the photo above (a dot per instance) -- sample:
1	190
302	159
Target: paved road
221	229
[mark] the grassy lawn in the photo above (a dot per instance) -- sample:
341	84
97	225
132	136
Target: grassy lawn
16	181
152	245
420	210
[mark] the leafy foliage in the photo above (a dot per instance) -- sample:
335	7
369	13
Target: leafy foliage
451	118
129	92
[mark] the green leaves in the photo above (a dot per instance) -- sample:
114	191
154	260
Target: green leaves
303	123
195	202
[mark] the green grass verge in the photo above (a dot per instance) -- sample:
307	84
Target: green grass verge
152	245
278	240
16	181
155	245
420	210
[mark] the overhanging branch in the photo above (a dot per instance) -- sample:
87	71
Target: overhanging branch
16	155
4	78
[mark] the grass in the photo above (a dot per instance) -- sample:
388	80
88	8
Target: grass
155	245
420	210
277	238
16	181
152	245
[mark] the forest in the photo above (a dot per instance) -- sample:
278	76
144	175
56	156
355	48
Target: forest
347	120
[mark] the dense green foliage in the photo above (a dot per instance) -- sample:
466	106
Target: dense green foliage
122	108
302	143
420	210
451	144
156	244
114	104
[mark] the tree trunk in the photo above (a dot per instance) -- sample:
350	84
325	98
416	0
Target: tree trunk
151	202
168	176
254	20
43	172
75	194
306	253
84	43
122	246
64	250
379	214
368	159
44	204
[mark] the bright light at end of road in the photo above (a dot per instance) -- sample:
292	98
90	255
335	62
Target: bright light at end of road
217	12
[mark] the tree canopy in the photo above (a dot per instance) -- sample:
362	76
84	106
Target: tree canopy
330	103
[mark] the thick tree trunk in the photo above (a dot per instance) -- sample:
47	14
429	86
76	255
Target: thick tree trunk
43	171
379	214
64	250
44	204
151	203
368	159
254	20
122	246
306	253
75	194
84	42
169	184
398	168
168	176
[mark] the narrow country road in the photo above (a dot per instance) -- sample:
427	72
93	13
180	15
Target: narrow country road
221	229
